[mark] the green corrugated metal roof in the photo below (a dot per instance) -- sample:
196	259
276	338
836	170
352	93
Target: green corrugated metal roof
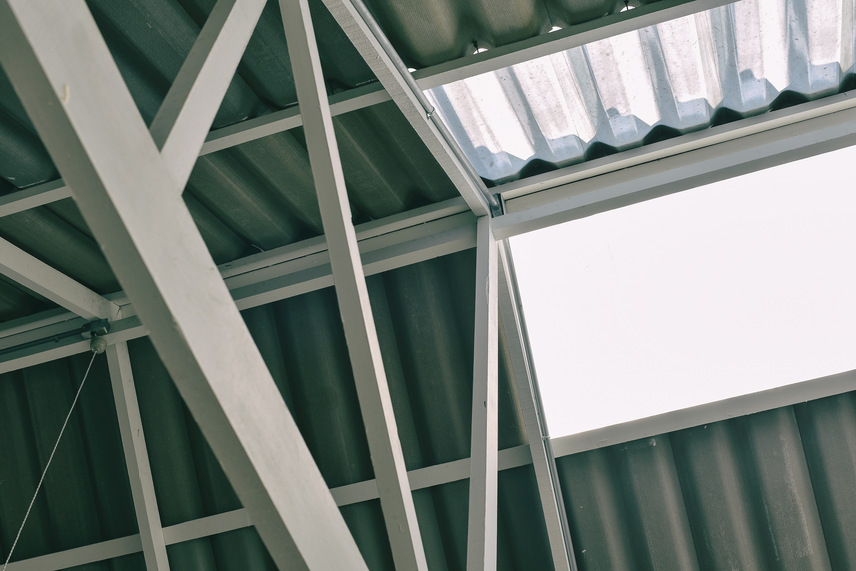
772	490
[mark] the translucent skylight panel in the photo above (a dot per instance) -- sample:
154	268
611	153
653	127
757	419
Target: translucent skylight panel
712	293
678	74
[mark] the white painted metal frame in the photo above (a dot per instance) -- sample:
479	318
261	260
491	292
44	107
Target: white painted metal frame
207	70
137	457
32	273
368	38
807	129
482	529
265	278
549	491
396	501
579	191
692	160
64	74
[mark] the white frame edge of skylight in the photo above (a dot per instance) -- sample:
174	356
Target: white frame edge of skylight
703	414
685	162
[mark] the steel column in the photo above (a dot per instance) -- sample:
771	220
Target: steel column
46	281
137	457
482	530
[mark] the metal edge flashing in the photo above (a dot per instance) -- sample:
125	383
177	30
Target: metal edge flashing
683	163
734	407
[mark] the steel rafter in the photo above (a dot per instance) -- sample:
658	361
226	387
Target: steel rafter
396	500
70	85
370	41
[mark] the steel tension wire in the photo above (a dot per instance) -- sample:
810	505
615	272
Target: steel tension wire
97	345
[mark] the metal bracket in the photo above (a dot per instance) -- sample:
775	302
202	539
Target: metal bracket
95	328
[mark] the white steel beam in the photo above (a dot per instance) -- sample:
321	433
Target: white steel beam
39	195
549	491
482	528
80	555
367	37
565	39
396	499
34	274
182	122
684	162
73	92
256	280
136	457
725	409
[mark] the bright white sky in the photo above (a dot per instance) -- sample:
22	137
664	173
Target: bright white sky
710	293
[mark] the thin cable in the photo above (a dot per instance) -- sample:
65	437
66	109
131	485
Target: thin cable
50	458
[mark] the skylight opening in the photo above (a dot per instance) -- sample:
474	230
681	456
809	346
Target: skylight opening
716	292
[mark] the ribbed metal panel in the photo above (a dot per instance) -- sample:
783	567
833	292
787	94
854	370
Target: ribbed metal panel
428	33
423	315
256	196
86	497
641	87
768	491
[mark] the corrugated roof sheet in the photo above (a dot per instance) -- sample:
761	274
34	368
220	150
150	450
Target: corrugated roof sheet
645	86
423	317
773	490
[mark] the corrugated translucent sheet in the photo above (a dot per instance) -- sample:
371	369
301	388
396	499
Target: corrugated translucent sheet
680	76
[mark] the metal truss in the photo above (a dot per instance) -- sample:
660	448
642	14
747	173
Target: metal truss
428	78
346	255
127	183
